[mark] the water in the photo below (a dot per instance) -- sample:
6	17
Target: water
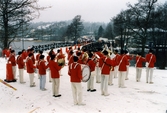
18	45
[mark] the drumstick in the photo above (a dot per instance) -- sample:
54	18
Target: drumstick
34	110
7	84
84	76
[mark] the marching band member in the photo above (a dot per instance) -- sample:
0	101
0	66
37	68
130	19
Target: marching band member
67	50
78	50
12	60
61	56
91	64
21	65
116	62
52	51
33	57
111	76
79	57
61	51
75	78
71	57
106	64
38	55
97	68
37	59
84	56
42	72
122	68
30	69
24	54
7	53
139	61
48	59
55	68
128	63
68	55
150	59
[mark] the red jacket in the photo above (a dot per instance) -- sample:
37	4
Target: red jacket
7	53
48	58
20	62
60	56
99	54
70	60
68	55
75	72
24	55
30	65
106	64
37	57
67	50
123	61
129	58
12	60
42	67
33	59
54	69
116	59
139	61
150	58
91	64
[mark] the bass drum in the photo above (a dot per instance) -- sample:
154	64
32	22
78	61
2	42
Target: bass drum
85	73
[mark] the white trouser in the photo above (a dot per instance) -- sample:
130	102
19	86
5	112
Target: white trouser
121	78
55	86
50	79
98	74
149	73
37	70
104	84
21	76
127	72
115	71
90	83
76	92
138	73
110	79
31	76
14	71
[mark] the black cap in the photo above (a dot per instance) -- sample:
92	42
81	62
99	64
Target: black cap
19	53
41	56
75	58
53	57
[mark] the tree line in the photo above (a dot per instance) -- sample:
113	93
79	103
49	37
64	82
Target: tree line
142	25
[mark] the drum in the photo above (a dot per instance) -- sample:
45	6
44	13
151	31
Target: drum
85	73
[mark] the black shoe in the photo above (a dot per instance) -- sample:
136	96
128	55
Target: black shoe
88	89
57	95
93	90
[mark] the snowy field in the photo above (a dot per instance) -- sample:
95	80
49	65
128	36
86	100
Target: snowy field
138	97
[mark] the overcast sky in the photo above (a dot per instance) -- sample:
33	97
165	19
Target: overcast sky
90	10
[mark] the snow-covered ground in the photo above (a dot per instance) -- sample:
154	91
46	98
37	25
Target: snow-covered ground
138	97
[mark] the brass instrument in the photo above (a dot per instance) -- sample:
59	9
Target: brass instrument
61	62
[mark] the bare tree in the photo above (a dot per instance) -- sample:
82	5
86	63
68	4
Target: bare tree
141	13
14	15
